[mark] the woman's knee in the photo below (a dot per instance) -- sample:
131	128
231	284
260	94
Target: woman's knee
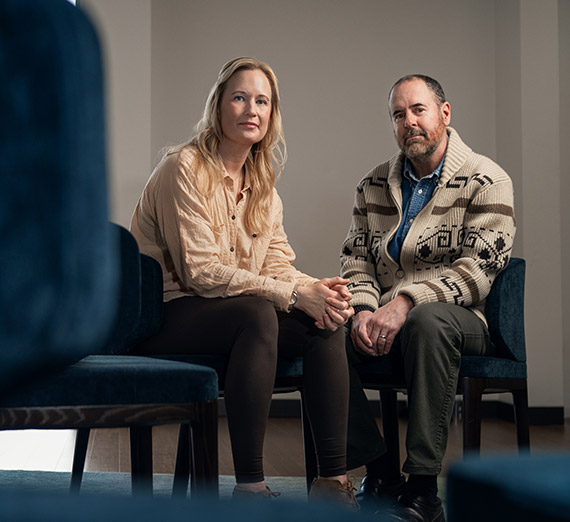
257	315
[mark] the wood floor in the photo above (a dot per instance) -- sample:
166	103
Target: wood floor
109	448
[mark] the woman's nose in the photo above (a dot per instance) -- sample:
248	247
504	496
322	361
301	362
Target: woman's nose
252	107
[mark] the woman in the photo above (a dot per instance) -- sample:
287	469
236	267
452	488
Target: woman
210	215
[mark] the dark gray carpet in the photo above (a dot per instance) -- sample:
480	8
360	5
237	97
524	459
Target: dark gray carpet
120	483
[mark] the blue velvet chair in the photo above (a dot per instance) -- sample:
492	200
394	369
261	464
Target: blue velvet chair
58	256
505	373
497	488
70	282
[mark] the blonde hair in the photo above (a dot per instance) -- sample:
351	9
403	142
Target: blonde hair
266	158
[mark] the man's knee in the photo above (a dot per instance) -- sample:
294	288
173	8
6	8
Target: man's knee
430	324
427	316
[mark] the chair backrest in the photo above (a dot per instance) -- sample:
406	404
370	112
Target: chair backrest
128	315
504	310
58	272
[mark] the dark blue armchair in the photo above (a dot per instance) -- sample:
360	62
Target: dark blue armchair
70	282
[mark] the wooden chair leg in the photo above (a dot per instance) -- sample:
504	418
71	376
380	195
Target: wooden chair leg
472	394
522	423
141	459
389	406
79	457
182	469
204	450
311	464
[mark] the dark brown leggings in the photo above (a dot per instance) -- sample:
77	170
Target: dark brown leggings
251	333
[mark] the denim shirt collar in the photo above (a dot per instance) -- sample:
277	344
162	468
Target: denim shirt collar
410	175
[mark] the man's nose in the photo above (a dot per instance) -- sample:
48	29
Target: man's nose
409	120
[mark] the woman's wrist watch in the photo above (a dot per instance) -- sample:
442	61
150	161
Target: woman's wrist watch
293	300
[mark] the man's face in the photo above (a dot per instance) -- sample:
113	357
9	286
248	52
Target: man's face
419	122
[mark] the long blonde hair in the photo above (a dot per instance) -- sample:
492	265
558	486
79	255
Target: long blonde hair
266	158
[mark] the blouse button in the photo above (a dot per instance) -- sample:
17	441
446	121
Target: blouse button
254	235
231	249
233	217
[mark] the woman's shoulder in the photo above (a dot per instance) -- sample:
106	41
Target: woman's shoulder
176	165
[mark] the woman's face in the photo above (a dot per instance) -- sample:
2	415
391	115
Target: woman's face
245	108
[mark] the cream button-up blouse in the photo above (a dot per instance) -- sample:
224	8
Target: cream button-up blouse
202	243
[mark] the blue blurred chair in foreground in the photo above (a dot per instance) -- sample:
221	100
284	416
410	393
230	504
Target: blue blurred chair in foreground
507	487
70	282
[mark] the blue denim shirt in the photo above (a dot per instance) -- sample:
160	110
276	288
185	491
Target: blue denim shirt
415	195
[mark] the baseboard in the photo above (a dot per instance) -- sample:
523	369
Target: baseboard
291	408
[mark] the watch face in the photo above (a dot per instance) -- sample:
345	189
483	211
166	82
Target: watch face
293	300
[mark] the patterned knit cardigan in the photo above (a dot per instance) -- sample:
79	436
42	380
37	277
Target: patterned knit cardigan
456	245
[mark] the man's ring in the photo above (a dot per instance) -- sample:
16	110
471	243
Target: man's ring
382	336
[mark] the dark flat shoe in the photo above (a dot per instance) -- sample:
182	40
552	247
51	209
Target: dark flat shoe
378	494
417	509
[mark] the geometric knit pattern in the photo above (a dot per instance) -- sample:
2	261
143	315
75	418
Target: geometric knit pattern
454	248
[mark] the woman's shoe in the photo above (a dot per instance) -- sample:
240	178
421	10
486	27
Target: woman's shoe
244	494
326	490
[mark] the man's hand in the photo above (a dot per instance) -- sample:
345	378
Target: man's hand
374	333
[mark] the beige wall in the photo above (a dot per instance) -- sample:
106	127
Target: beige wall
500	62
564	137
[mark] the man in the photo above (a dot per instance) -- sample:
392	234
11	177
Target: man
431	229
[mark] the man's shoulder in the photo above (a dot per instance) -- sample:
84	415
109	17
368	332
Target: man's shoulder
379	175
462	163
485	170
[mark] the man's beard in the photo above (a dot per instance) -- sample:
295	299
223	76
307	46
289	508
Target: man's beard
422	150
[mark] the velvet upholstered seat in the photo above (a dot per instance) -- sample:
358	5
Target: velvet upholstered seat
70	282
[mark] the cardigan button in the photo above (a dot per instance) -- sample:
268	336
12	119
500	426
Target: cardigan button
231	249
400	273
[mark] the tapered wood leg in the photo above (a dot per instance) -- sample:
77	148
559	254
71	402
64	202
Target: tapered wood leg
204	450
79	457
311	463
183	462
472	395
141	459
389	405
520	400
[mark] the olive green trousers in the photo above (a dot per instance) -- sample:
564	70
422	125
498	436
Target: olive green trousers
429	348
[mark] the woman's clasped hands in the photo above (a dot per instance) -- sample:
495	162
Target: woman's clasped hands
327	302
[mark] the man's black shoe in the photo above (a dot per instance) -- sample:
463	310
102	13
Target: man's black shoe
417	509
378	494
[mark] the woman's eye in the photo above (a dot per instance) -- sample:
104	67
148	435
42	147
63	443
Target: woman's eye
262	102
239	98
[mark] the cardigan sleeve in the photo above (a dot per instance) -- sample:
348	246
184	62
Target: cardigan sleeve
357	261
